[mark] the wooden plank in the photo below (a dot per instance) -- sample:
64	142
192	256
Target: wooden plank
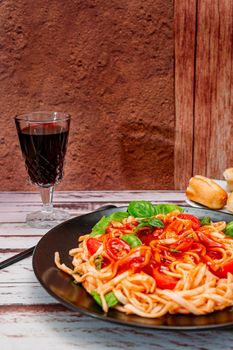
20	198
24	294
68	330
17	243
214	88
19	229
61	330
17	274
77	203
185	32
27	207
20	216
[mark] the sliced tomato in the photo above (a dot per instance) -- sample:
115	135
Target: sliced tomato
129	226
105	262
93	245
149	268
223	270
117	248
183	245
163	280
146	237
208	242
135	264
213	254
136	260
195	221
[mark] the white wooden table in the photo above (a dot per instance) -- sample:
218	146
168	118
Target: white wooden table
31	319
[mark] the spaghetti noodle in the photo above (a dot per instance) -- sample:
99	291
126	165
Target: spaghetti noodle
168	263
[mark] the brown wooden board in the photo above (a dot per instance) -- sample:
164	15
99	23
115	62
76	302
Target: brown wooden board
185	31
213	88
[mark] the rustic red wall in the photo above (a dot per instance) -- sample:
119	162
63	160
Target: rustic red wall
108	63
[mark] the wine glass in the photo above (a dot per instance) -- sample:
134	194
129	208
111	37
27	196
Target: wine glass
43	139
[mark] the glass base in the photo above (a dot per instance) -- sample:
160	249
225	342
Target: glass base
42	219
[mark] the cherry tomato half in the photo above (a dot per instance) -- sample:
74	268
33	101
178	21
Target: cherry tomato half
223	270
149	268
194	219
93	245
163	280
117	248
136	260
146	236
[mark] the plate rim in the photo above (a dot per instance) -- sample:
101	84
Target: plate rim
105	317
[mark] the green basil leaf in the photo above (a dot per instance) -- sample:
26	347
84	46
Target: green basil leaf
118	216
155	222
100	227
151	222
96	297
132	240
103	223
205	221
141	209
110	298
166	208
142	224
229	229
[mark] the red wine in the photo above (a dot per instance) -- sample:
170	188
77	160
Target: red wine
44	149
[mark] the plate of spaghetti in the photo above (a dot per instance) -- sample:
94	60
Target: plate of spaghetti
156	266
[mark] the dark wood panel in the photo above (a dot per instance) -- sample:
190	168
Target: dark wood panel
214	88
185	31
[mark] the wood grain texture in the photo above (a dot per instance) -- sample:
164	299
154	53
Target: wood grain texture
77	203
67	330
185	31
213	150
89	197
31	319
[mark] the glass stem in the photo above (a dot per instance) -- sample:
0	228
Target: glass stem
46	194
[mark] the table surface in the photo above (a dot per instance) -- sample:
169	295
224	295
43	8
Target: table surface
30	318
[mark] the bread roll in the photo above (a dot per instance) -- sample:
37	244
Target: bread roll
205	191
230	202
228	175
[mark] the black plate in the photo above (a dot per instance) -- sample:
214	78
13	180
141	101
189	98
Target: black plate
58	284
